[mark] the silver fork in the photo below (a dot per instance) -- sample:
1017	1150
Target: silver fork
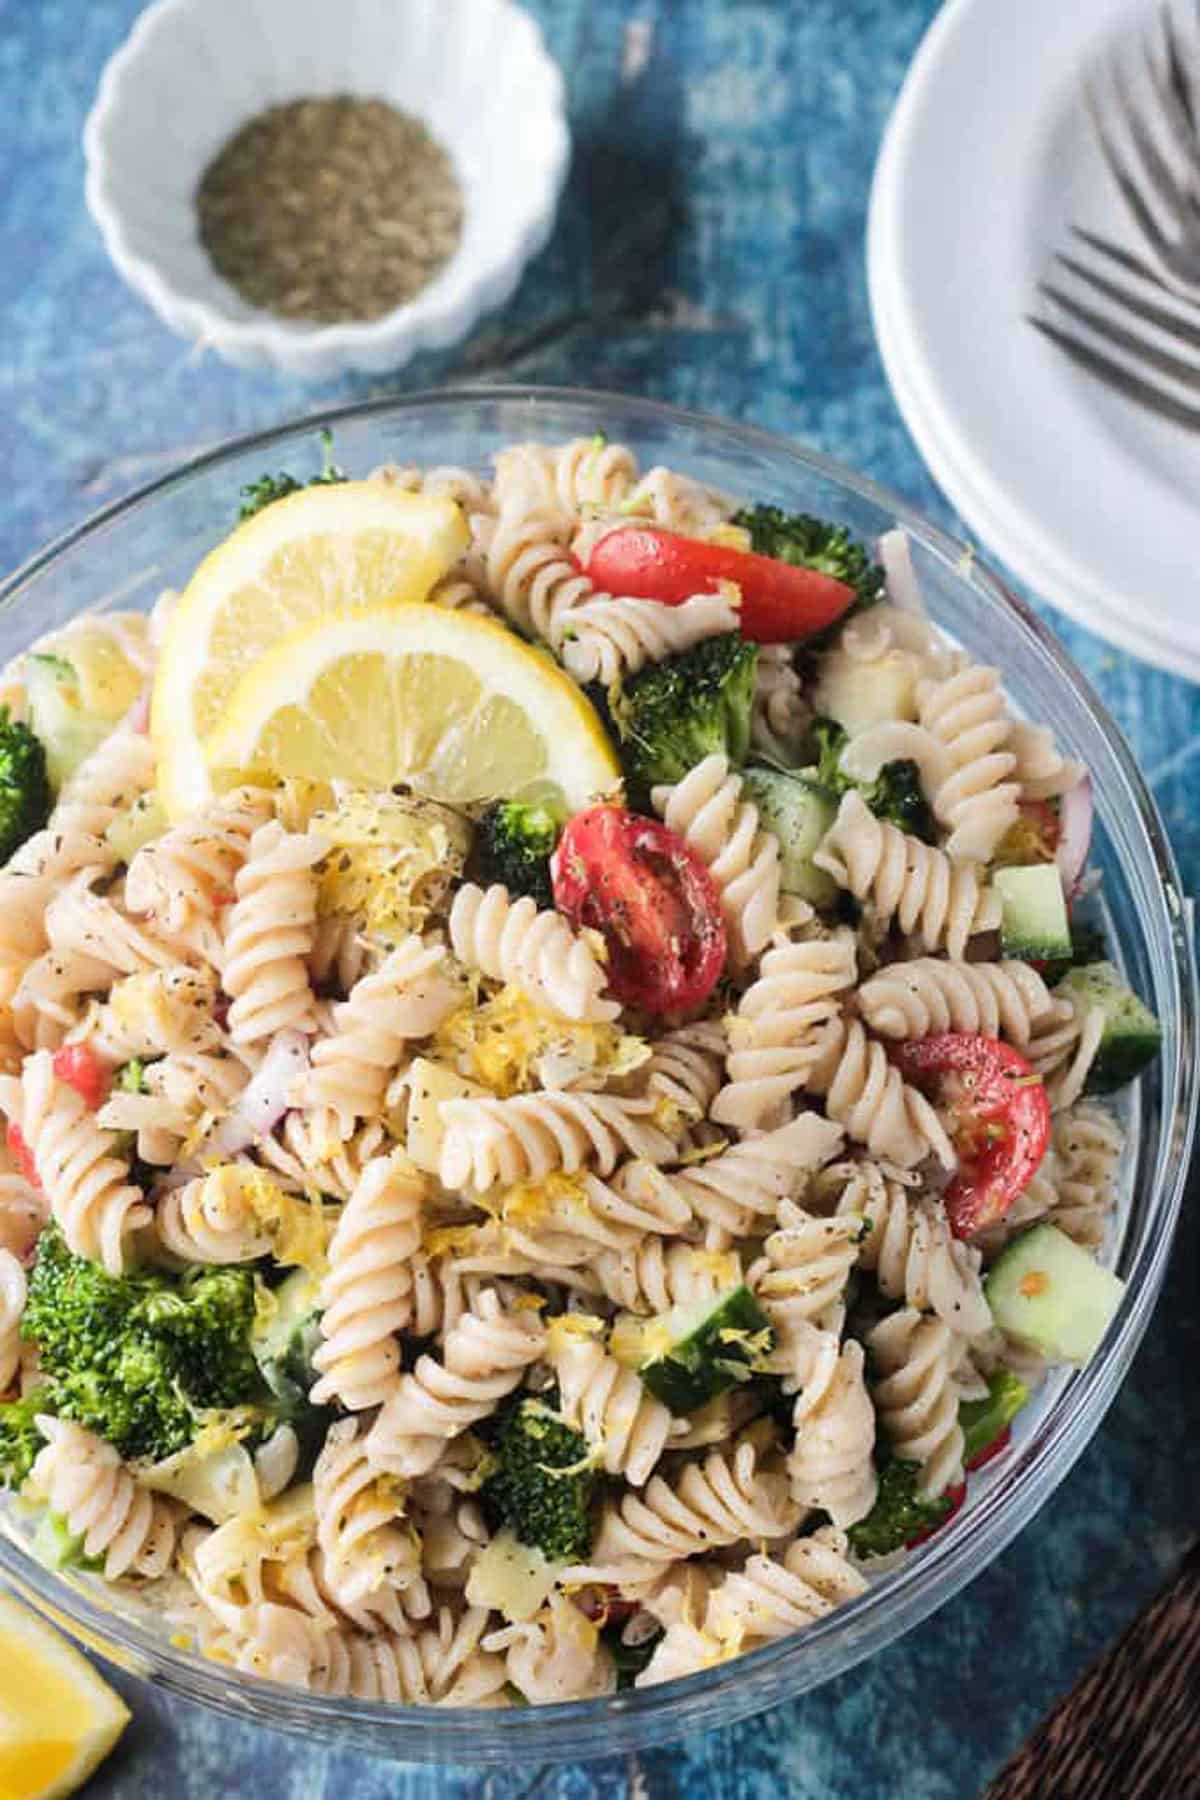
1162	194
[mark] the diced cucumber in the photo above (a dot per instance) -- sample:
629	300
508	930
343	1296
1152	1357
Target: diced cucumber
982	1421
56	1546
1132	1035
1034	922
697	1351
285	1336
1048	1293
798	812
130	831
57	714
858	694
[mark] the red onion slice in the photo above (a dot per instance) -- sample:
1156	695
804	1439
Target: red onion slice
265	1100
1075	834
900	578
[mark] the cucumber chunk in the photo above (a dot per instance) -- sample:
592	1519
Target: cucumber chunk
58	715
1034	924
1049	1294
798	812
1132	1035
696	1352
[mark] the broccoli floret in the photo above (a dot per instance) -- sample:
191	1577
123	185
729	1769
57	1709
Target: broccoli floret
811	543
899	1514
673	714
514	843
268	488
137	1357
20	1439
24	784
543	1484
894	795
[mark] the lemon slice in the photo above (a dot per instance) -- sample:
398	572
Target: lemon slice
325	550
58	1719
450	702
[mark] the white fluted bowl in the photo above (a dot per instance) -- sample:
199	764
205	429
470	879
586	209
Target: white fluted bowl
192	72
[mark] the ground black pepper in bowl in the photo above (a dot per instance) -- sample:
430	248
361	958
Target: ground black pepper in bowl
330	209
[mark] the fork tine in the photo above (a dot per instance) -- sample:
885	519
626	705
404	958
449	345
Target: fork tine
1134	265
1172	94
1116	376
1187	374
1180	328
1178	84
1156	172
1144	219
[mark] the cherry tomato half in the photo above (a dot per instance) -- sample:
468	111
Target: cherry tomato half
652	900
80	1067
22	1155
999	1119
780	602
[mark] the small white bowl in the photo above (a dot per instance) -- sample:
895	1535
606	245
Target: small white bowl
192	72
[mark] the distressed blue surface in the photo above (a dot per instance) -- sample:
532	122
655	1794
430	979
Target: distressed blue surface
710	252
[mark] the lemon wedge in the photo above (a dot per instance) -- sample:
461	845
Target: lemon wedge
325	550
449	702
58	1719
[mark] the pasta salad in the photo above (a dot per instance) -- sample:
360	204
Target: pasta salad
554	1092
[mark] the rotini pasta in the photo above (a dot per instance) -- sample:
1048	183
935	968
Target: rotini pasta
775	1037
830	1463
906	880
366	1298
82	1479
270	935
914	1357
625	1425
87	1184
915	999
407	997
511	941
735	1495
526	1138
484	1355
978	801
706	808
864	1092
907	1242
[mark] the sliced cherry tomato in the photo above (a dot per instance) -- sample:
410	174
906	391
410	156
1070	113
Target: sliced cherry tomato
21	1154
652	900
80	1067
780	602
997	1447
999	1119
956	1496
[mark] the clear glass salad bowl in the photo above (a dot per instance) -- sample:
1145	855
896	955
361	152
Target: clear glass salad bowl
127	553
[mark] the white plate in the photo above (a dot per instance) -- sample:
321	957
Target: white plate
1094	504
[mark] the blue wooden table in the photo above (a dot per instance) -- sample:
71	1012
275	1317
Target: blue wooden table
709	251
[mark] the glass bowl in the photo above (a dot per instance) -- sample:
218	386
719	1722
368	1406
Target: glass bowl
127	553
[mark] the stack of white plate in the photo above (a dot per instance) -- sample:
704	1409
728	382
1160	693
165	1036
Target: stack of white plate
987	160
